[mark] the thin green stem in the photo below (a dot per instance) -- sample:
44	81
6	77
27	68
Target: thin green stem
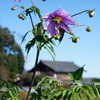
34	71
36	62
80	13
31	21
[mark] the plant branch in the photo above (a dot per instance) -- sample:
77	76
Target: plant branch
78	26
34	71
32	2
79	13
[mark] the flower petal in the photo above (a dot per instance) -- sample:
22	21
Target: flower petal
61	12
65	27
69	20
50	28
47	17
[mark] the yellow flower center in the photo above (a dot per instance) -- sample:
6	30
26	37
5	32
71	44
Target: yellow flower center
57	19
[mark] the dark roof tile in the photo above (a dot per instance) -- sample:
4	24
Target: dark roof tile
61	66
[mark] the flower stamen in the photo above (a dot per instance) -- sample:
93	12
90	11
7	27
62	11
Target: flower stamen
57	19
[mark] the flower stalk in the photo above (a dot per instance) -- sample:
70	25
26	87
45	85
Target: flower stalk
80	13
34	71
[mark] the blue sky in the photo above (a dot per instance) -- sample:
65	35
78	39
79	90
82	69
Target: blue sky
86	51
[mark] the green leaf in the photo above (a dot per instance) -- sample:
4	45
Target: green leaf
1	85
29	45
57	94
71	76
78	73
21	88
69	95
51	49
25	36
46	86
2	80
78	81
97	88
61	89
38	40
36	10
77	95
9	85
50	53
86	91
62	31
10	93
53	91
2	92
64	94
91	89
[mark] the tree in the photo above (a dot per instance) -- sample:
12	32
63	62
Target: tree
11	55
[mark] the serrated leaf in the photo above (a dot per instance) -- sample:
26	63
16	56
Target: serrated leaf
78	73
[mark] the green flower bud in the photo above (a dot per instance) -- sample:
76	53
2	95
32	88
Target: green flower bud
71	33
21	16
91	13
22	7
13	8
57	37
88	29
74	39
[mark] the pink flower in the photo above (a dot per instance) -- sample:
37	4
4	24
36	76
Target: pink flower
17	0
58	19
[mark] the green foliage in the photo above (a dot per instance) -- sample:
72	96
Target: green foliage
11	56
38	78
11	92
96	80
48	89
77	75
41	40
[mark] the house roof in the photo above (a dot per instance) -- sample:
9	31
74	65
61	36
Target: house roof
61	66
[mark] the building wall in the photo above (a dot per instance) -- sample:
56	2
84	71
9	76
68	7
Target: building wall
63	76
49	73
